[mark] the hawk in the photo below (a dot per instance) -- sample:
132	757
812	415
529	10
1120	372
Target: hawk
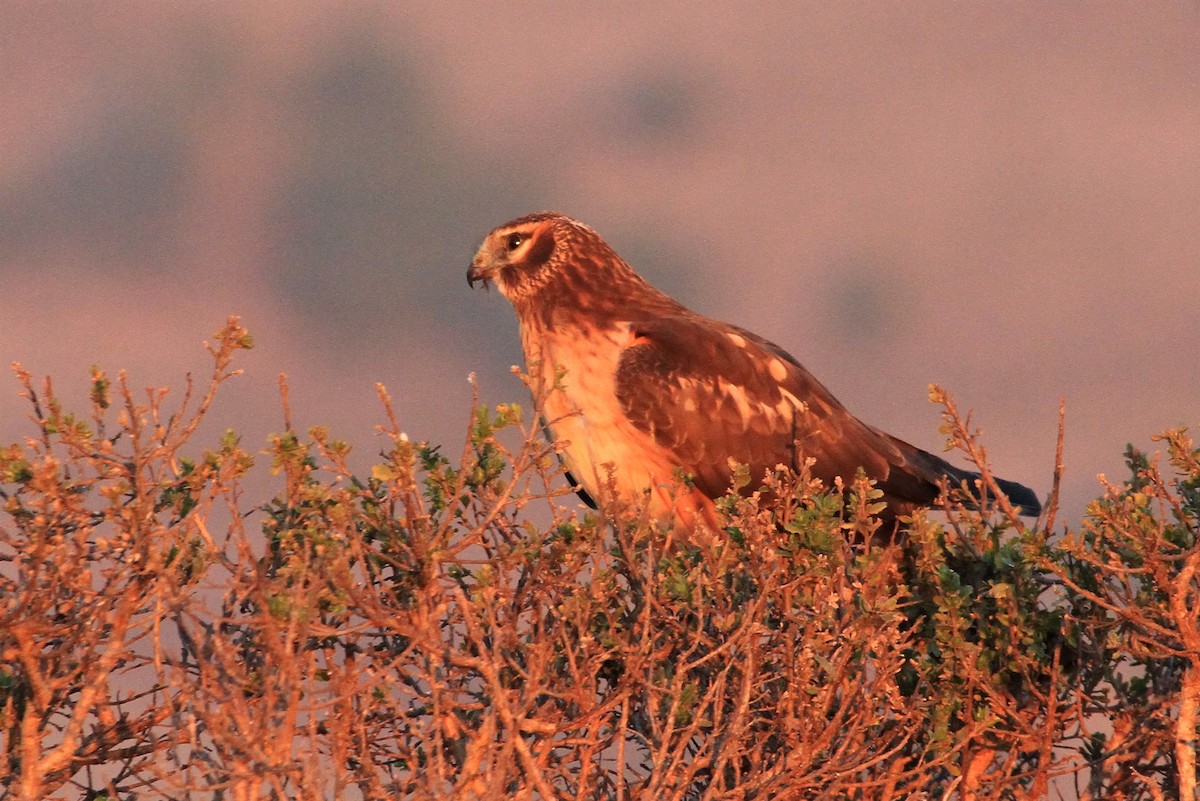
639	388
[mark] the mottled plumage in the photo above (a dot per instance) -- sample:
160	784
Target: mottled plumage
639	387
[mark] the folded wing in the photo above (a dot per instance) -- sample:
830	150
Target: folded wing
711	393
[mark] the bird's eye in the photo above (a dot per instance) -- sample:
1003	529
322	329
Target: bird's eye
515	241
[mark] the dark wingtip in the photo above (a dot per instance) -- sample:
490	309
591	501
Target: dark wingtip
1021	496
580	491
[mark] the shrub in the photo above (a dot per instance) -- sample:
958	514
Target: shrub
441	628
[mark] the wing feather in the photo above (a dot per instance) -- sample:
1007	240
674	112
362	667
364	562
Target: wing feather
711	393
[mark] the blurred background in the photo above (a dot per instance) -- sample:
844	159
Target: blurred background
1004	199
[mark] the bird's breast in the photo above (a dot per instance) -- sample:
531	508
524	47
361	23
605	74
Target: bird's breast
574	377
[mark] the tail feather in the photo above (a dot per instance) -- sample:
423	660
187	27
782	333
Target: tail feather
1020	496
921	467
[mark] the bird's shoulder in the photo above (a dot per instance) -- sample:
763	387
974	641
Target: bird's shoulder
713	393
701	355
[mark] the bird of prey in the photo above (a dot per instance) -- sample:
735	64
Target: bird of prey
638	389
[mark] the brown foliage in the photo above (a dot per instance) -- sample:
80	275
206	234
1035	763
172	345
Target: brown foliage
416	633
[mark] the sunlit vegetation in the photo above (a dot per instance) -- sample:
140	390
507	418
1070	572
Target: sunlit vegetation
458	626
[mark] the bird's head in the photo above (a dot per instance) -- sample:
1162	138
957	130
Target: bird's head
525	255
547	261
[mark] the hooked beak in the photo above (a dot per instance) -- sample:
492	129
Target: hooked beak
475	274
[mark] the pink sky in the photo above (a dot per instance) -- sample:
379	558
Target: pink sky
1004	200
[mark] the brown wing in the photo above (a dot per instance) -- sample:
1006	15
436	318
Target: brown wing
711	392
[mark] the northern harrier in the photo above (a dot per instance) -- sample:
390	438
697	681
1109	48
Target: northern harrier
639	387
